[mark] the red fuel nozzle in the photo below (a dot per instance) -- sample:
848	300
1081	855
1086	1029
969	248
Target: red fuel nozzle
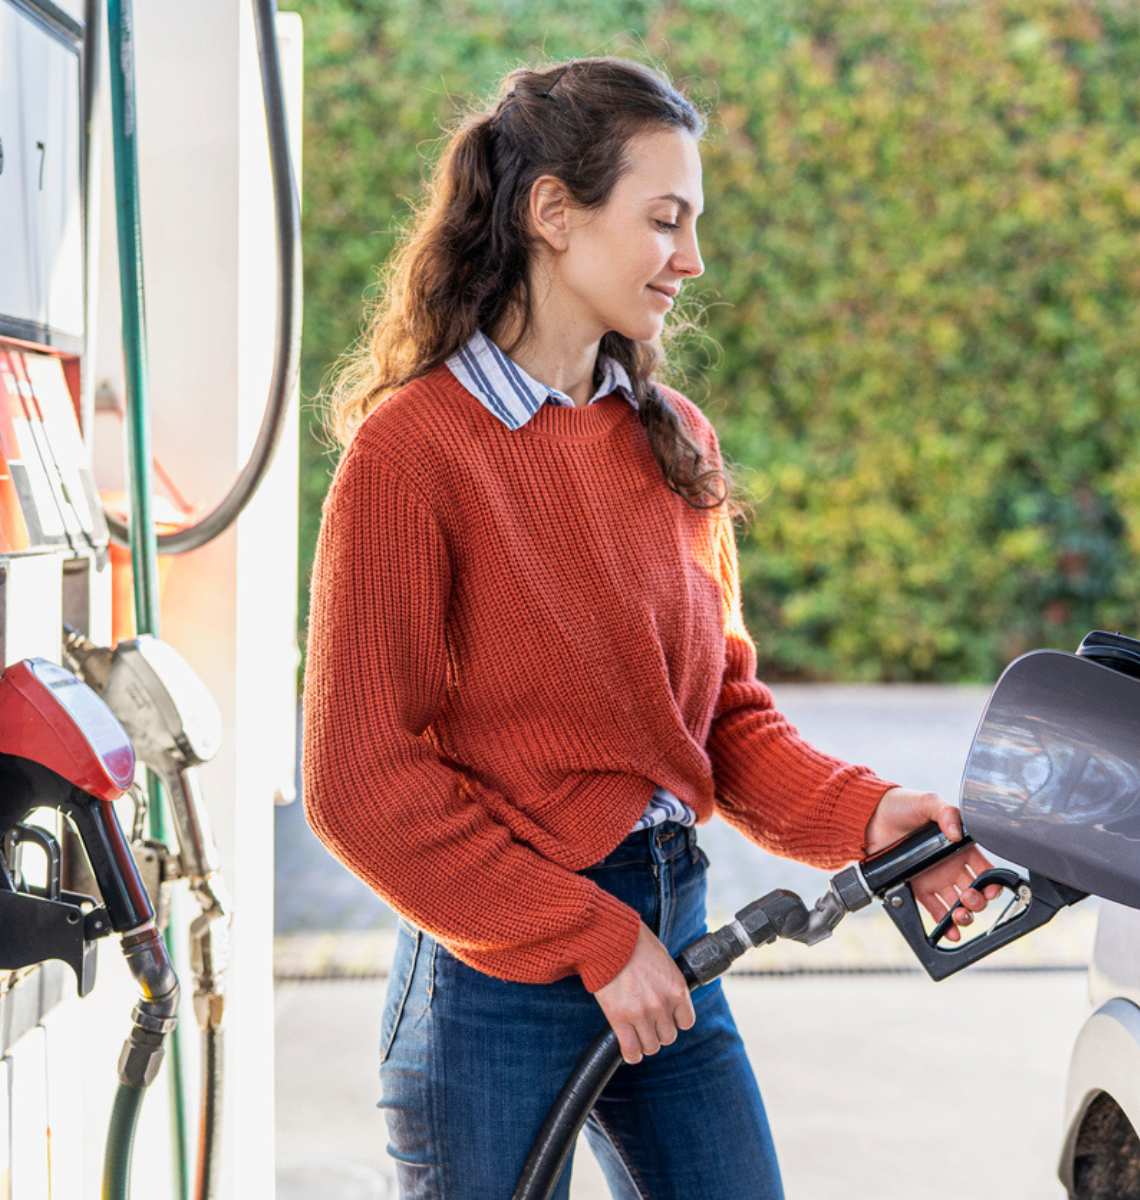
52	717
62	747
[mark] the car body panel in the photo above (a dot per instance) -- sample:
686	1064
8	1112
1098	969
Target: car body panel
1106	1053
1052	780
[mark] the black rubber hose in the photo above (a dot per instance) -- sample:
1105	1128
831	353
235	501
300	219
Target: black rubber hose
779	913
566	1117
210	1116
287	348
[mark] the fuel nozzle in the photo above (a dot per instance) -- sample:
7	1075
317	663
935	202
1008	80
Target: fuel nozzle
174	725
61	747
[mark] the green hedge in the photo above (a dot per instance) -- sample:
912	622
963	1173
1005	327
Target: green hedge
921	277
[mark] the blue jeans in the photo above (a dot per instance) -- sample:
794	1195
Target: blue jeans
470	1064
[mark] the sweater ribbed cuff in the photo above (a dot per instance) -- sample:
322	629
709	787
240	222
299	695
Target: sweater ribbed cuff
608	939
854	805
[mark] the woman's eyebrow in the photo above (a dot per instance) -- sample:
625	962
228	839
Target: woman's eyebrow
686	207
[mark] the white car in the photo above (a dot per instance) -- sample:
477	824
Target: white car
1100	1154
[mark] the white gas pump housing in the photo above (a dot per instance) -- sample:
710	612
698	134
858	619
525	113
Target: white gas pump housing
229	608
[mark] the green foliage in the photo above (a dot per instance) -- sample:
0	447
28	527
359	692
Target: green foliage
920	249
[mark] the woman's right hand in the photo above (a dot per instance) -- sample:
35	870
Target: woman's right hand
648	1000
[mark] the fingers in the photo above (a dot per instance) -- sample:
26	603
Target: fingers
629	1041
938	902
941	903
647	1036
952	880
684	1013
648	1001
950	822
647	1033
974	865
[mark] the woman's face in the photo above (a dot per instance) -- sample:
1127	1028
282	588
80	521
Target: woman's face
645	237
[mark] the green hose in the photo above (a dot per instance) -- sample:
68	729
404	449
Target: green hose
120	1139
144	554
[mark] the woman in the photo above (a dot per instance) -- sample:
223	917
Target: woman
528	677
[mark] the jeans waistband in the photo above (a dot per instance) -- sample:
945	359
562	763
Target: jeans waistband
658	843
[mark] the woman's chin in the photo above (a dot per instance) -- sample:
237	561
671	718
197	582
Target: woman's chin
644	330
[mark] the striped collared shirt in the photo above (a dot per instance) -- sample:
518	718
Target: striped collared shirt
513	396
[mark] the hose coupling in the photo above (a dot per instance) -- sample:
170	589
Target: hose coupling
156	1012
778	914
846	892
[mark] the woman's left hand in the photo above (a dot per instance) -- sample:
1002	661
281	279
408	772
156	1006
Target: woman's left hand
900	812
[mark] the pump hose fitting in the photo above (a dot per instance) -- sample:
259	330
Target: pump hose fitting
780	913
156	1013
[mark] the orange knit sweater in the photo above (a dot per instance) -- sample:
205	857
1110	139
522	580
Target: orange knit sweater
514	637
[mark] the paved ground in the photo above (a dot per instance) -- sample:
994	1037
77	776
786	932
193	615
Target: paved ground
887	1085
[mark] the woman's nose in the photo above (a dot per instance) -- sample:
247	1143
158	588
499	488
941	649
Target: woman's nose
687	261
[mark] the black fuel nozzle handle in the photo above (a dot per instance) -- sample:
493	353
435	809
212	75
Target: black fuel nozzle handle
1002	876
926	847
124	894
888	875
1041	899
26	784
20	835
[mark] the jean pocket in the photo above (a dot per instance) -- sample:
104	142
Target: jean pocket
399	984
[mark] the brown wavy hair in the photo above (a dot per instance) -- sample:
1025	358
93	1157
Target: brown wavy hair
461	264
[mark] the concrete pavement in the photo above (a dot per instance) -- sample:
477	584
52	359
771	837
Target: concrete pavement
887	1086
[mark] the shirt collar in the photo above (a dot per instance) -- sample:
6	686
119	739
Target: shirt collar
512	395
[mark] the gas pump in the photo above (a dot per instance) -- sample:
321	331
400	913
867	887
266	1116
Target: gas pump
70	742
175	726
61	748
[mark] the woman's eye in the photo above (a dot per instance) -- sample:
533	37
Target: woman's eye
667	225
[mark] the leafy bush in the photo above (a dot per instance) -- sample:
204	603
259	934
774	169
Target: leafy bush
921	272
